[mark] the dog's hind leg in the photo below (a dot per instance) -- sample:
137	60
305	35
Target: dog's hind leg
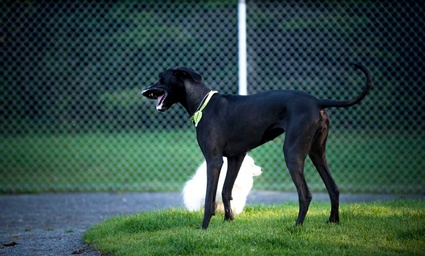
234	164
296	169
213	173
318	157
319	160
295	149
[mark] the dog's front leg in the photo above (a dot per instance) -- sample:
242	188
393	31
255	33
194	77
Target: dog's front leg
213	173
232	173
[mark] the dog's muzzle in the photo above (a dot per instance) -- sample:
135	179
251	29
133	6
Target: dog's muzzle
156	94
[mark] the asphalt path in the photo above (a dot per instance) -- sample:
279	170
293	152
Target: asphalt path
53	224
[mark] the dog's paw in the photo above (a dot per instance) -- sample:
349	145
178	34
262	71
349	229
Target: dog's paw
333	219
228	215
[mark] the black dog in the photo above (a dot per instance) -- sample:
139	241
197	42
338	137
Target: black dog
230	126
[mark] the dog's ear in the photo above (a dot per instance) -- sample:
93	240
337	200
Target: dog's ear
184	72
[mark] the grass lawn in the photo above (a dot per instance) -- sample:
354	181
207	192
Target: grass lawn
381	228
163	161
97	162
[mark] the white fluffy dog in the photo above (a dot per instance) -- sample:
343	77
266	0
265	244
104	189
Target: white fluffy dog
194	189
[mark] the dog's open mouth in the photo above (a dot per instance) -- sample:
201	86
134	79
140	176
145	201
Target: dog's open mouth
159	94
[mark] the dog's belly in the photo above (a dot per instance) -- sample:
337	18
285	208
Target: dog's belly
242	143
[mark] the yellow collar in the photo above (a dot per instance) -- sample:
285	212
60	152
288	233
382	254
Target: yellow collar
198	114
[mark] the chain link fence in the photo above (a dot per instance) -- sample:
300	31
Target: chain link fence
72	117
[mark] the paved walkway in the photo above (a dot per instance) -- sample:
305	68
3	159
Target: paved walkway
53	224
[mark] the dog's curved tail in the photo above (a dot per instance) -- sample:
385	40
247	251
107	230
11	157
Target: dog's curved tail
348	103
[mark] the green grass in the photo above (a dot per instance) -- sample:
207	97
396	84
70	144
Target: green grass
97	162
368	162
163	161
382	228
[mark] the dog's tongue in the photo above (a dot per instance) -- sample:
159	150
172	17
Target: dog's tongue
160	99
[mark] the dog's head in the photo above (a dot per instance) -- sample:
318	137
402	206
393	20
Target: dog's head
170	87
248	165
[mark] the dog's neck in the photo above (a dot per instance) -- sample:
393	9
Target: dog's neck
196	94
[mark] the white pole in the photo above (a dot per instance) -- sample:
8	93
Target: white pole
242	48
